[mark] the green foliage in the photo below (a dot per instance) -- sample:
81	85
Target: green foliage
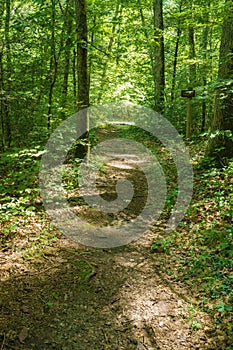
196	325
120	47
200	252
84	269
19	190
162	245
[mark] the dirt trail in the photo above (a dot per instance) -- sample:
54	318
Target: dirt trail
123	303
84	298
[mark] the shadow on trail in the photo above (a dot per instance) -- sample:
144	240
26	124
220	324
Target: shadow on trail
71	305
96	299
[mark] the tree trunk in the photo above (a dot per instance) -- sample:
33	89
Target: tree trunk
147	36
68	30
53	64
109	50
205	73
178	35
6	101
2	9
82	53
192	57
1	104
92	35
74	74
159	74
192	50
83	76
220	146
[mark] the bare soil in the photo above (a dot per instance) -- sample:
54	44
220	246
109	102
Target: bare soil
123	302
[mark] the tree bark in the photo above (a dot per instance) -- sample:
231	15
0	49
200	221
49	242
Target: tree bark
74	74
205	73
68	31
1	103
6	103
83	77
178	35
220	146
53	64
92	35
192	57
2	93
159	69
82	55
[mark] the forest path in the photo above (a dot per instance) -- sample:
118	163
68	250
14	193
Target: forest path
83	298
101	299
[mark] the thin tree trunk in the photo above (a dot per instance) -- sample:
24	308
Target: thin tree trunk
82	55
67	61
192	55
54	56
178	35
83	76
1	103
92	43
220	147
192	72
68	30
109	50
2	93
53	64
159	70
204	79
74	74
144	26
7	74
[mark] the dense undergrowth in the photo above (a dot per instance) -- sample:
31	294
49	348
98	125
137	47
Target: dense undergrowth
199	253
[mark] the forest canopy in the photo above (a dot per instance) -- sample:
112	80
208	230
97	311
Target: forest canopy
144	52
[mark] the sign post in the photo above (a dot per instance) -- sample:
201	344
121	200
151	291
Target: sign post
189	94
